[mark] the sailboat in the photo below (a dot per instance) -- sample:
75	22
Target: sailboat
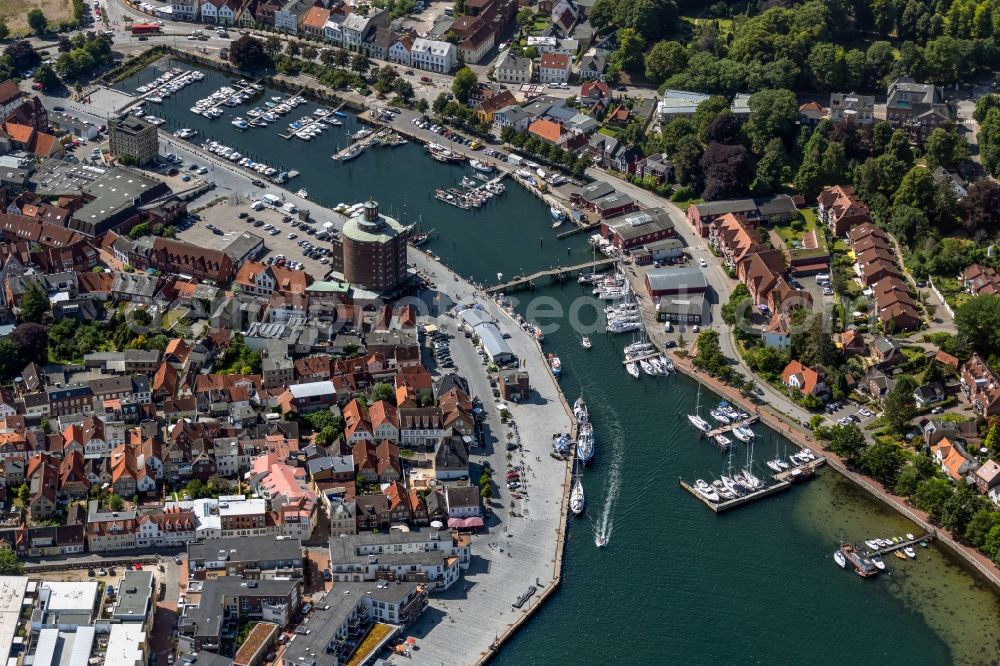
633	369
585	443
593	275
647	367
695	419
707	491
576	498
838	556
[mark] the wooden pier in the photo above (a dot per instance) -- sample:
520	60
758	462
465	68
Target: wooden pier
788	474
363	143
927	536
524	280
579	230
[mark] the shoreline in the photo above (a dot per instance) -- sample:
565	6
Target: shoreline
976	563
503	628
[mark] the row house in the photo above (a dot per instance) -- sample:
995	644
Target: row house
314	22
73	481
981	386
734	239
377	464
357	29
840	208
262	280
420	427
760	272
169	528
221	12
433	55
42	476
554	68
702	216
875	264
513	69
977	279
400	49
290	14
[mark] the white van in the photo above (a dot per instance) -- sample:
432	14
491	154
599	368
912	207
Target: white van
257	205
272	200
290	208
822	277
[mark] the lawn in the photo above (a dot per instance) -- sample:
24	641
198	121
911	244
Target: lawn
15	12
792	232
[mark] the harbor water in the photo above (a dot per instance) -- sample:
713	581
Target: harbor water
675	583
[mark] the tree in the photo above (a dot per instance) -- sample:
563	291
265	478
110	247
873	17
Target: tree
465	80
883	461
899	406
34	303
507	133
342	57
272	45
23	494
979	527
360	63
4	30
736	305
250	54
728	171
292	48
958	510
31	341
37	21
772	168
65	45
946	148
992	438
847	441
773	114
22	55
932	495
383	391
978	324
9	564
116	503
629	57
665	59
525	16
979	210
709	356
422	105
47	77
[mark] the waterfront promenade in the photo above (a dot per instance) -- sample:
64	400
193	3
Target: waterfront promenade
461	625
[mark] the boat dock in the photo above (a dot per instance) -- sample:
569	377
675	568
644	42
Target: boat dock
579	230
729	427
927	536
524	281
364	143
787	475
719	507
644	357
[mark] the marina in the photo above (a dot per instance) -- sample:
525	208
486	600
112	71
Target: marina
624	491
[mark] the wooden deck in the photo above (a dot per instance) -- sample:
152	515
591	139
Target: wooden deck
729	427
719	507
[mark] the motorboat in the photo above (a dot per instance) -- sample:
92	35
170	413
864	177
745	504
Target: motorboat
362	133
909	536
743	434
586	342
878	562
899	554
723	441
576	498
839	558
481	166
633	369
910	553
600	541
302	193
580	411
699	423
585	443
782	463
706	491
719	416
872	545
775	467
555	365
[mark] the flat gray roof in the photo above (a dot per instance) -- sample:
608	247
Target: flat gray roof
242	549
134	593
681	279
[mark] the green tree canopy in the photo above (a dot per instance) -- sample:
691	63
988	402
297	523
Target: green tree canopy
847	441
465	80
37	21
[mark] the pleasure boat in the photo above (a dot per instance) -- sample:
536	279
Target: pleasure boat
645	347
909	536
899	554
580	411
303	194
557	213
363	133
600	541
719	416
480	166
699	423
351	153
782	463
556	365
724	492
585	443
773	464
647	367
633	369
723	441
576	498
586	342
910	553
872	545
731	485
839	558
877	561
743	434
707	491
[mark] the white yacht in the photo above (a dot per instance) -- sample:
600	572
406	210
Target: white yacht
699	423
707	491
580	411
632	369
723	441
647	367
585	443
586	342
576	498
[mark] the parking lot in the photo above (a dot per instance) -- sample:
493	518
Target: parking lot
219	225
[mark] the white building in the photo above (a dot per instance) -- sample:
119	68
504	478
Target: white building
433	55
12	591
185	10
287	18
333	31
510	68
679	104
554	68
127	645
399	50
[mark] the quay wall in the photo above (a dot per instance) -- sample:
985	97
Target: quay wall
976	561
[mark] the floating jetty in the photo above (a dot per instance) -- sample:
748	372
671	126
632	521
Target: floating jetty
362	144
729	427
927	536
782	482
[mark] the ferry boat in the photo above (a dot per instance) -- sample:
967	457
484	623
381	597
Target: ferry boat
576	498
556	365
480	166
585	443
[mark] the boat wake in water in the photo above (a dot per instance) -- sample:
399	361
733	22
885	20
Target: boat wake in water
605	524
